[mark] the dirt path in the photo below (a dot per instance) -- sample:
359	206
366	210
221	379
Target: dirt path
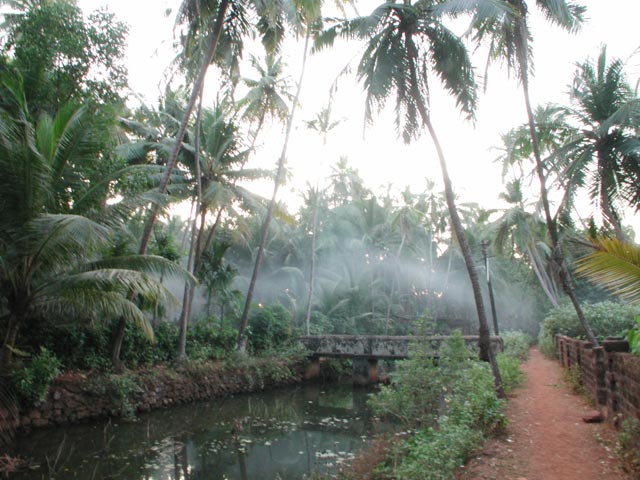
546	438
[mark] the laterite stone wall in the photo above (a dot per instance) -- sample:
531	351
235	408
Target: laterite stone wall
609	373
76	397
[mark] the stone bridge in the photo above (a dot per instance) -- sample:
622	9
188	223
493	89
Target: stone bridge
366	350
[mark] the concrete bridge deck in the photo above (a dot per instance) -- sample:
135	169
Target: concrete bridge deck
366	350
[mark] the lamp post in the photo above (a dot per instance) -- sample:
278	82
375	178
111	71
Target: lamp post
485	244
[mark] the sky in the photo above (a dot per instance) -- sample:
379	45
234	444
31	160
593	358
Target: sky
374	150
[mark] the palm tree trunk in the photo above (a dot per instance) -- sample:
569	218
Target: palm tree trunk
484	334
486	353
543	278
9	342
558	256
312	270
196	241
611	215
153	213
241	343
116	345
195	92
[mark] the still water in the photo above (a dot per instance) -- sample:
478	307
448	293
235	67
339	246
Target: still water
282	434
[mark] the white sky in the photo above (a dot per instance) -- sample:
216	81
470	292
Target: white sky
380	157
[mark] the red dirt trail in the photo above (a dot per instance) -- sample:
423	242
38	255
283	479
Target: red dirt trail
546	438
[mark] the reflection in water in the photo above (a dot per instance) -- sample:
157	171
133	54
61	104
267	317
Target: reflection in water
281	434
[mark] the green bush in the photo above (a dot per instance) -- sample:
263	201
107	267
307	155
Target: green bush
606	318
269	329
211	339
510	371
120	389
629	446
517	344
451	401
31	380
435	454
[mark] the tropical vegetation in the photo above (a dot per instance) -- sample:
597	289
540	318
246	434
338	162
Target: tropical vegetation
133	234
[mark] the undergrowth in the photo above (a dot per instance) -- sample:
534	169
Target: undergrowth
448	407
629	446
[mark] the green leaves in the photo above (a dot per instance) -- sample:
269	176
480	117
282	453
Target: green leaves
615	265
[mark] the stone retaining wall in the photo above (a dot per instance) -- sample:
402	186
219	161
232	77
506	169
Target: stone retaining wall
76	397
609	373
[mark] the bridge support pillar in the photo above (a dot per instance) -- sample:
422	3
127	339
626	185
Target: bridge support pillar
313	369
365	371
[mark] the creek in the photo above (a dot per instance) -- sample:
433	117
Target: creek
282	434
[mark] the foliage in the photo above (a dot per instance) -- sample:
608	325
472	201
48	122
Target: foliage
435	454
607	319
614	265
269	329
210	339
633	337
629	445
517	344
510	371
64	57
120	389
602	158
452	402
31	381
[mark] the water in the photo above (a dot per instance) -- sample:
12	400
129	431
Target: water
282	434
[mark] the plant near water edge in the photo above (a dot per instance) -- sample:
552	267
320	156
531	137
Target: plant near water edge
31	382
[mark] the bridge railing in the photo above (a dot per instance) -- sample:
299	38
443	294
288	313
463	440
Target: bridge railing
380	346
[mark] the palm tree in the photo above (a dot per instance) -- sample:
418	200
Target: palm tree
268	96
224	23
524	230
218	159
604	156
51	261
322	124
509	38
405	44
279	179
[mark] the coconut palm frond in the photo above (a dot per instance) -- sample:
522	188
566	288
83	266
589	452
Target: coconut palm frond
77	304
150	264
93	282
56	239
614	265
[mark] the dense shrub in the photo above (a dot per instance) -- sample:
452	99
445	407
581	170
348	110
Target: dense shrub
211	339
629	446
32	379
510	371
270	328
606	318
517	344
451	401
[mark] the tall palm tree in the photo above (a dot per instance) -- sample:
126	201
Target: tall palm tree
268	96
279	179
225	23
509	39
605	155
218	159
198	15
323	124
406	43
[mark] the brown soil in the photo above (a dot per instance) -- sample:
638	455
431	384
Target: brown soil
546	438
